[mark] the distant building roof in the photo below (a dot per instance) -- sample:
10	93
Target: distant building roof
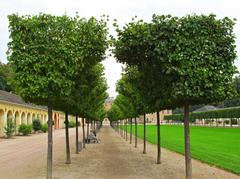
206	108
13	98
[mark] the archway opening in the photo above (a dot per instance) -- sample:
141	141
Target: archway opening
2	123
23	118
29	121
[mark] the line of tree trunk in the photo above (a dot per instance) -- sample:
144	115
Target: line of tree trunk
77	148
144	133
158	140
131	131
135	132
188	163
50	144
68	160
87	129
126	129
83	128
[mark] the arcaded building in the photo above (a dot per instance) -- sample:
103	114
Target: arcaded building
13	106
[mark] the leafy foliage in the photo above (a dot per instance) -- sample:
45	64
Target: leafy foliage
36	125
9	128
25	129
44	128
6	78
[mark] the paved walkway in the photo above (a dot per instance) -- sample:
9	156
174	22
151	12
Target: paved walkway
24	157
116	158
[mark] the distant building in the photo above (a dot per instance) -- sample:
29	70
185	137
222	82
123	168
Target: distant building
152	117
108	103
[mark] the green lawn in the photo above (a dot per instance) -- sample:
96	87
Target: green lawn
217	146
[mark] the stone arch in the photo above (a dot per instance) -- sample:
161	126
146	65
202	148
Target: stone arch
9	114
29	120
41	119
2	122
38	116
45	118
17	118
23	118
33	116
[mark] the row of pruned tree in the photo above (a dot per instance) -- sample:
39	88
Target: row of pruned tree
57	63
173	62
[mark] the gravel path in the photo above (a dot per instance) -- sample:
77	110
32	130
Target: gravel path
113	157
116	158
25	157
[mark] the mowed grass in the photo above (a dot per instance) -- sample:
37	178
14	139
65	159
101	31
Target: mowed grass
216	146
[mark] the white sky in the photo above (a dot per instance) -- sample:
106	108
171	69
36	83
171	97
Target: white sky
123	11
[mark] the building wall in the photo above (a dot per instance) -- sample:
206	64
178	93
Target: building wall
25	115
152	117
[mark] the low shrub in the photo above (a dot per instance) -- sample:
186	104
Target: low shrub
44	128
25	129
71	124
36	125
9	128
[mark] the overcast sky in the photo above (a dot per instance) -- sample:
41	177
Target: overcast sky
123	11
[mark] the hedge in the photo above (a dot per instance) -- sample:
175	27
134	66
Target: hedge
213	114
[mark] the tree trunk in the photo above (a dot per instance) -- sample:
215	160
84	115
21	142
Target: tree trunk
135	132
50	144
144	133
94	125
77	149
87	129
68	160
118	126
158	140
126	129
83	128
187	143
121	131
131	132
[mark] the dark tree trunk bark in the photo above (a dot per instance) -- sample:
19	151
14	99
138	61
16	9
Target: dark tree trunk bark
83	128
126	129
144	133
187	143
158	140
135	120
68	160
87	129
77	149
121	131
131	132
50	144
118	127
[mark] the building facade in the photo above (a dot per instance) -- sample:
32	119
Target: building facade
12	106
152	117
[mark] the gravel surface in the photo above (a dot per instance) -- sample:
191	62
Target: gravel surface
113	157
